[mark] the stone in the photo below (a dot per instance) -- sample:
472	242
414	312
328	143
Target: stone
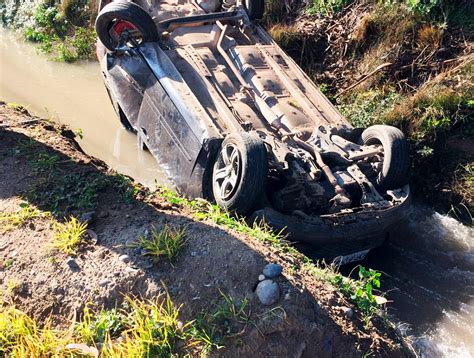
104	282
72	264
268	292
261	277
124	258
104	214
87	217
347	311
272	270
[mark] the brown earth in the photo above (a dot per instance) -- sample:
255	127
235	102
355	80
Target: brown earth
307	320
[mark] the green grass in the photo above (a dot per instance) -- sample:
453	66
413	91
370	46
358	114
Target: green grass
26	213
166	243
17	107
357	291
138	329
69	236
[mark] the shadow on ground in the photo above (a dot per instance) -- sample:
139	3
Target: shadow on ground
51	173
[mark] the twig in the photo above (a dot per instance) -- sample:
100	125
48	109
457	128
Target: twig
379	68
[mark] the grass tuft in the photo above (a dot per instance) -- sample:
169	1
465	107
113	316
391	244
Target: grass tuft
164	243
68	236
26	213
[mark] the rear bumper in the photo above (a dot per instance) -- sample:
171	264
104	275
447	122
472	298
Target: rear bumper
338	234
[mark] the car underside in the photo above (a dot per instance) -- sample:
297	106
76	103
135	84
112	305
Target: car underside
232	118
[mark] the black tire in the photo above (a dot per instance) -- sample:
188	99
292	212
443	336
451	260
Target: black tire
255	8
127	11
251	177
396	161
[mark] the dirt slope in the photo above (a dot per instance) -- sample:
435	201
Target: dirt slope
306	321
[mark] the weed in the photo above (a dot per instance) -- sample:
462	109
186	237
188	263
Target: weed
360	291
25	146
79	133
44	162
26	213
153	329
21	337
17	107
68	236
8	263
76	192
364	109
126	186
12	287
96	328
224	320
326	6
165	243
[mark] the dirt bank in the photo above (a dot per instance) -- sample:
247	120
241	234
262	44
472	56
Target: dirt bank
46	178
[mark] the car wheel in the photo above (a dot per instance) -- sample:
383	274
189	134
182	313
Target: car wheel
254	8
393	173
240	173
117	17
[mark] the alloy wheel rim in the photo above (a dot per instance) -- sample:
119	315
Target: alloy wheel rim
227	172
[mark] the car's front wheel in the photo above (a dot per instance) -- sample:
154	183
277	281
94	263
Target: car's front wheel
240	173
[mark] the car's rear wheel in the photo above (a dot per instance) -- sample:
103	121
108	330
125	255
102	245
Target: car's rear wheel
240	173
117	17
395	160
255	8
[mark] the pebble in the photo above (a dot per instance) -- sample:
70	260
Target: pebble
72	264
87	217
124	258
272	270
104	282
116	273
261	277
348	312
131	270
104	214
268	292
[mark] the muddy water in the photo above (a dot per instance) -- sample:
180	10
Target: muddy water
428	264
72	94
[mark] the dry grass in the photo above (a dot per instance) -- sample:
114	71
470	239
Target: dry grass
429	36
284	34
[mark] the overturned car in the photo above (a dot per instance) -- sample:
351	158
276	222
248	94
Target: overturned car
230	117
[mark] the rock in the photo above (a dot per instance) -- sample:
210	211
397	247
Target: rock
272	270
104	214
87	217
261	277
124	258
92	236
131	270
116	273
72	264
104	282
268	292
348	312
